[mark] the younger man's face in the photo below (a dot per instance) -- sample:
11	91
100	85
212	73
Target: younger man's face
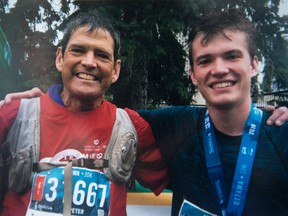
222	69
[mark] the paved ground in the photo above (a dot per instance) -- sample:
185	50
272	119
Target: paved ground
147	204
137	210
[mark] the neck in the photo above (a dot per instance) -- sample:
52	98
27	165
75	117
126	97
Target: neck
81	105
230	121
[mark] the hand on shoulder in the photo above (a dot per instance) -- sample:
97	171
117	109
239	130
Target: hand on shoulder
34	92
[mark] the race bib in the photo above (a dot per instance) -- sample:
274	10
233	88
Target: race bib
90	193
189	209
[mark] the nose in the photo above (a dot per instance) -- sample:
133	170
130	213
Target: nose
89	60
219	67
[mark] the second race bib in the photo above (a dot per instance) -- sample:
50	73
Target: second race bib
189	209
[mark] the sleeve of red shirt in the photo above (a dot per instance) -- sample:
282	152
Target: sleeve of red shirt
8	115
150	171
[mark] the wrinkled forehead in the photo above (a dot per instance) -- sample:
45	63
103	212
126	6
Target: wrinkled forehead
91	31
88	36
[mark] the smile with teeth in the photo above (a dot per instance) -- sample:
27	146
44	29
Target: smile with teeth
222	85
85	76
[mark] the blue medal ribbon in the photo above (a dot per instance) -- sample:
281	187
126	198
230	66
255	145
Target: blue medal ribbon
236	202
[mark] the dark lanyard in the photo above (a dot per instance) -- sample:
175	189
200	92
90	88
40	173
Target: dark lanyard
235	204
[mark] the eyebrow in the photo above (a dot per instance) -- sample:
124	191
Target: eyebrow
234	51
205	56
76	45
98	49
228	52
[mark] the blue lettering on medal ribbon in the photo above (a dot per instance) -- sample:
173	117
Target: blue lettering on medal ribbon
210	143
238	193
219	190
252	129
243	169
207	123
244	150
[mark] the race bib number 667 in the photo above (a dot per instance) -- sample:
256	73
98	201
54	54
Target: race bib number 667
90	193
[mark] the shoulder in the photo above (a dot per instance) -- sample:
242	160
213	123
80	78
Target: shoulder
8	115
140	124
173	113
273	128
274	134
132	113
9	111
108	107
275	138
134	116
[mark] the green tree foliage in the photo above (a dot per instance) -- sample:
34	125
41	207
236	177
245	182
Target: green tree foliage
154	59
33	52
159	57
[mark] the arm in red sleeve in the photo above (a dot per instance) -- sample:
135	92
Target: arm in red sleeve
150	171
8	115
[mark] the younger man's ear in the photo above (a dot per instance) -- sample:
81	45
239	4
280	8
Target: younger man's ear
254	65
192	77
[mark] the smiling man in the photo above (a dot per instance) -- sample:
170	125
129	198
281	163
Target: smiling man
222	55
84	147
229	161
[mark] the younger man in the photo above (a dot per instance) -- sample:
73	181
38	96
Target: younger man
230	162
